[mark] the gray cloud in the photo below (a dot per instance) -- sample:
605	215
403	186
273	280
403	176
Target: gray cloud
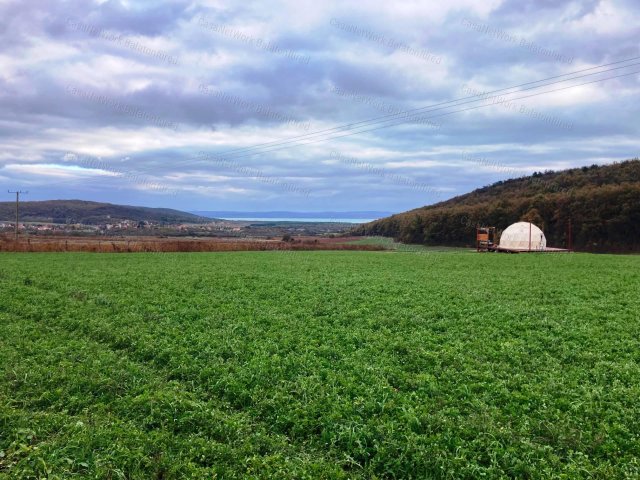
144	116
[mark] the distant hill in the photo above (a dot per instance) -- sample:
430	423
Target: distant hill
602	202
331	215
92	213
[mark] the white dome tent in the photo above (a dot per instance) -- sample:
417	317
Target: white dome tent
523	236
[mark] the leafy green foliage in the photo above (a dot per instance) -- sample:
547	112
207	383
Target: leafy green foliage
418	364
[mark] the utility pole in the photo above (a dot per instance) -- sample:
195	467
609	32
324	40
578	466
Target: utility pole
17	209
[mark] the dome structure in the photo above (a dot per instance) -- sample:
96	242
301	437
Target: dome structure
523	236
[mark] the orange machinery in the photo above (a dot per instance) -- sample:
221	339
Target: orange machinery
485	239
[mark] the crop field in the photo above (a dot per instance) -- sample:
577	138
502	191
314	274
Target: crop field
319	364
132	244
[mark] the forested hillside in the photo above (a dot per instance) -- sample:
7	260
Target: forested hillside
601	202
91	213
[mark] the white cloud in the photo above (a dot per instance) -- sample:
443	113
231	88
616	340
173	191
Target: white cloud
54	170
609	17
41	127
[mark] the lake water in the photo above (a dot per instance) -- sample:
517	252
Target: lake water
317	220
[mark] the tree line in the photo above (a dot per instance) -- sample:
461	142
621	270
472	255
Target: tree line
602	204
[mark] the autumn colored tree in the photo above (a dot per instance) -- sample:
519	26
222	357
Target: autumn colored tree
601	202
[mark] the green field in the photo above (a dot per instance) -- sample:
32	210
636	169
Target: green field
390	244
319	365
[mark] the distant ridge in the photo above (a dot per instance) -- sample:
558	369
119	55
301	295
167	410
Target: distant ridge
92	213
290	214
602	203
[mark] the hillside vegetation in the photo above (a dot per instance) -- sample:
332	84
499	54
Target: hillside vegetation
602	203
91	213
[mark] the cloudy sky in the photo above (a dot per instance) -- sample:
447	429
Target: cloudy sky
298	105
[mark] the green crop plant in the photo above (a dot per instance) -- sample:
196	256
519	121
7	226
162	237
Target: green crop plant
425	364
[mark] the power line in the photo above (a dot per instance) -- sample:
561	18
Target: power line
332	137
375	120
484	96
427	117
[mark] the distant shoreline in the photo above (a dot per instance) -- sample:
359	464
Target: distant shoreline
298	219
288	216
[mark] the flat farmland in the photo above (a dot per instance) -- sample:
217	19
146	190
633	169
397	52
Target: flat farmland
150	244
324	364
